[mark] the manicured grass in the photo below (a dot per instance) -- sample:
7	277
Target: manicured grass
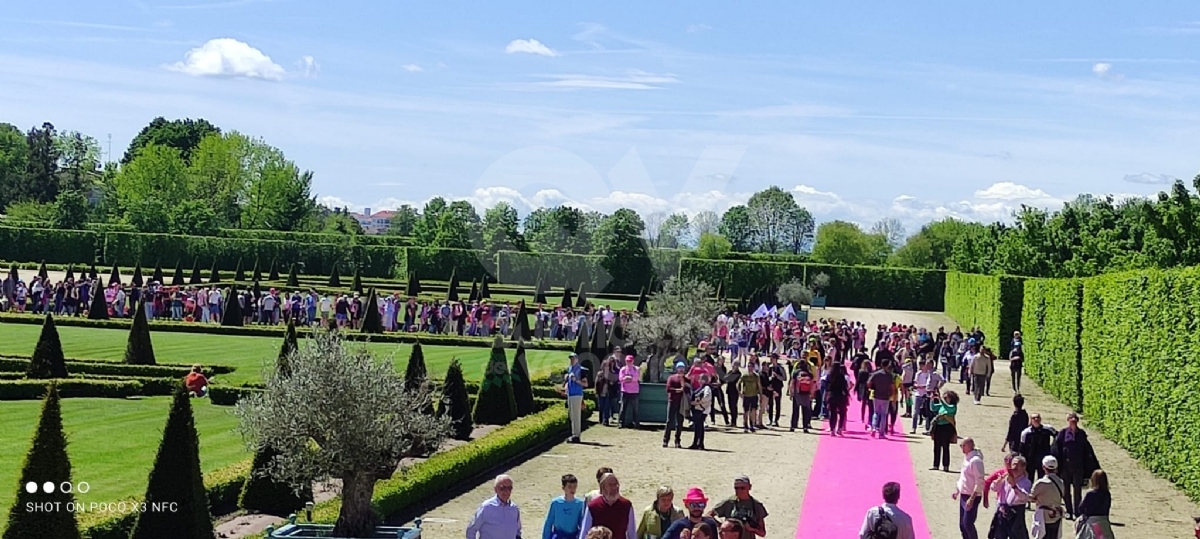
250	354
112	443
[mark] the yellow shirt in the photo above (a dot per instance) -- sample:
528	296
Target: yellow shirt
898	384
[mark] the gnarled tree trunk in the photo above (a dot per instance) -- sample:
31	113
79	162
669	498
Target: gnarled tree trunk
357	518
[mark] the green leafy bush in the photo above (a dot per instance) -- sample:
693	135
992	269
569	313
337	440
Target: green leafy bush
48	244
1050	331
229	395
263	494
437	264
991	302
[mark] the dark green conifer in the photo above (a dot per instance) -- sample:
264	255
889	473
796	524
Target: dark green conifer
46	462
175	479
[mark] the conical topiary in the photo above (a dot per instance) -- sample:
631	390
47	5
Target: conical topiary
452	288
13	275
372	321
567	299
273	274
283	363
214	275
581	297
257	273
42	272
177	278
47	360
496	404
539	293
583	348
231	313
520	327
642	300
239	273
137	279
335	280
522	384
114	276
263	494
139	350
413	288
175	479
474	294
45	463
195	278
415	373
293	280
456	403
98	309
356	285
158	273
92	273
70	273
484	293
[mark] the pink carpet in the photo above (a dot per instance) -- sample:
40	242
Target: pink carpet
847	479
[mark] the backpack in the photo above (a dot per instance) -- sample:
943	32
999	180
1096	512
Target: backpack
884	528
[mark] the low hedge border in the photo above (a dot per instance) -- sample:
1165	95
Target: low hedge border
70	388
278	332
452	469
223	486
230	395
113	368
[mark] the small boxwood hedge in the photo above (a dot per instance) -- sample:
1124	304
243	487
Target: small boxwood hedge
70	388
112	368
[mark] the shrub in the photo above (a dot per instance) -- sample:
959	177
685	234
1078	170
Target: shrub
112	368
496	404
231	313
455	402
283	364
520	324
415	372
372	321
214	275
139	350
335	281
484	292
69	388
522	385
229	396
257	272
177	276
195	278
48	245
48	360
356	286
46	461
413	288
473	295
991	302
239	274
1050	331
137	279
114	276
452	287
293	280
158	273
263	494
175	478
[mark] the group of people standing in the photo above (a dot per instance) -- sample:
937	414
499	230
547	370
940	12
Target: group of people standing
604	513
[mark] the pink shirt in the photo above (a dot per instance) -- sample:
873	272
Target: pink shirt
631	385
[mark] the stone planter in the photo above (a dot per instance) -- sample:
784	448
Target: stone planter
323	531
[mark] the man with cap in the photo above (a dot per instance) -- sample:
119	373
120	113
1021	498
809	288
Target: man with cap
1047	497
611	510
694	503
678	391
574	384
630	378
743	507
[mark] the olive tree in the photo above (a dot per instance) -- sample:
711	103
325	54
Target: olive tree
680	313
795	293
341	414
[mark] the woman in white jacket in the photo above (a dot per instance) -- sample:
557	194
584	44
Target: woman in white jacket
701	407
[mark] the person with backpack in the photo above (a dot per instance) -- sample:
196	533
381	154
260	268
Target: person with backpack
887	521
801	389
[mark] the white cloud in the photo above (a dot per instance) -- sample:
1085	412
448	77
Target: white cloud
412	68
1150	179
530	46
310	66
1010	191
632	80
1101	69
225	57
694	28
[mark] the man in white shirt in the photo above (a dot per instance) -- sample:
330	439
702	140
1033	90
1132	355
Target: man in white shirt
878	517
202	303
969	488
214	305
927	382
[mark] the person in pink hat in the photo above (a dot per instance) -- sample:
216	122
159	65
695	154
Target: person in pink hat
694	503
630	379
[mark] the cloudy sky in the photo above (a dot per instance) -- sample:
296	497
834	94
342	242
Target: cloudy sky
898	109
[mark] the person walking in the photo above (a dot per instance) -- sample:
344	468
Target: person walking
658	517
630	378
801	389
1076	460
777	377
1008	522
565	515
575	382
1016	361
732	391
1047	497
882	383
1016	424
611	510
695	502
678	391
701	405
1037	442
498	517
927	382
969	488
887	520
1092	512
837	399
981	369
944	429
749	388
743	507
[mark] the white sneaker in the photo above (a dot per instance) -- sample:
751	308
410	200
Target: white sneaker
977	402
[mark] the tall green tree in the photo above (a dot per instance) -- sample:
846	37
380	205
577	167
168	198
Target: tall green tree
713	246
558	230
157	173
175	479
14	161
79	160
673	232
501	229
735	226
452	233
777	222
46	462
626	259
70	210
218	167
844	243
41	183
404	221
182	135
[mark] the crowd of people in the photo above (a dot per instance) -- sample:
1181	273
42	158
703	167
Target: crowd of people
823	365
605	514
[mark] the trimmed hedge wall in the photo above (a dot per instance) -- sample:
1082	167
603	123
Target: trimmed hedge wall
1050	329
849	286
1141	361
437	264
558	269
148	249
992	302
52	245
69	388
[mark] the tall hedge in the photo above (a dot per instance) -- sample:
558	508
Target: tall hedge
1051	326
175	478
991	302
436	264
496	403
50	245
224	252
46	462
47	360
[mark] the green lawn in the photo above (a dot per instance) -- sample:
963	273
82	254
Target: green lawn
112	443
250	354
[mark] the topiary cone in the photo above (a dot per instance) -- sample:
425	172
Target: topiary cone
98	308
175	478
137	279
293	279
456	402
139	350
372	320
46	462
47	360
522	384
496	404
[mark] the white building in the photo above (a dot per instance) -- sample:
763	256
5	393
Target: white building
374	223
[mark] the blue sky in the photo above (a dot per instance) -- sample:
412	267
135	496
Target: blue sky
862	111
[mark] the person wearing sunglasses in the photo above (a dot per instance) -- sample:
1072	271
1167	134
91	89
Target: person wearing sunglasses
694	503
745	508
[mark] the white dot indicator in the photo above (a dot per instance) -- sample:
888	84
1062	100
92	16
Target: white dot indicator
31	487
48	487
